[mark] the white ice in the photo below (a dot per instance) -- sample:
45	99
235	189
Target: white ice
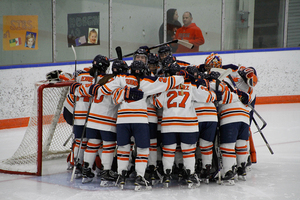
272	177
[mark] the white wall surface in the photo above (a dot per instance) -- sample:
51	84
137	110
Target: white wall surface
278	74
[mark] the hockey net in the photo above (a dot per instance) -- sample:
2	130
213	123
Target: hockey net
46	133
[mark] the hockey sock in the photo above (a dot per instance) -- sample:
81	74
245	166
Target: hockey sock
178	155
108	154
228	156
123	153
206	152
152	152
91	151
141	161
241	152
168	156
188	151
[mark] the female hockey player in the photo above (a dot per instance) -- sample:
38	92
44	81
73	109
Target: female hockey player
132	117
233	120
179	122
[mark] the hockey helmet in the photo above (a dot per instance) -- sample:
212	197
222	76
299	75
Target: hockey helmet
172	69
138	67
192	69
153	58
101	63
213	60
164	51
168	60
119	66
141	54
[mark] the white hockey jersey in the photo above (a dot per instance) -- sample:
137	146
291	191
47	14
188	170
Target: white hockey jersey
82	98
136	111
103	112
231	109
206	112
178	112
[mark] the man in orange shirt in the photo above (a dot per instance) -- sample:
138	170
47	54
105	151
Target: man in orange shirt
189	32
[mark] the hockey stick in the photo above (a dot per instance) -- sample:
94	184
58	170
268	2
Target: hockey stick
182	42
262	135
119	52
220	70
258	115
223	74
84	127
75	76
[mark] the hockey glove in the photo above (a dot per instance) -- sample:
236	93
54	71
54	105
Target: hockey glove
94	89
212	76
186	75
133	94
218	95
243	96
73	87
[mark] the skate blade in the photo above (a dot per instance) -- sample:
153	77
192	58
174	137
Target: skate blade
104	183
86	180
243	178
166	185
228	182
139	188
121	186
77	176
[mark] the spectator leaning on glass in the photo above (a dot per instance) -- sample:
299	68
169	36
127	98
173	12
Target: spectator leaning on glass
189	32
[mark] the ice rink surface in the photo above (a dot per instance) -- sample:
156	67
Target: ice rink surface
273	177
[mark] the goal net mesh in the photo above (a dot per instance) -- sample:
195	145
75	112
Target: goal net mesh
54	131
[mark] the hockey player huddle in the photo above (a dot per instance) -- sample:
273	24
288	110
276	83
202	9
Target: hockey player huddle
161	120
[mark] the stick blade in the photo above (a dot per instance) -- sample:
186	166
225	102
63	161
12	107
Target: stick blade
119	52
186	44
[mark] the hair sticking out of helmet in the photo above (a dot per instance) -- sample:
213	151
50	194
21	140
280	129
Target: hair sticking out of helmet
214	61
101	63
119	66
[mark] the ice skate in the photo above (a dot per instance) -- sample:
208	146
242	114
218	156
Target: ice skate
78	171
121	180
141	184
167	178
87	174
205	174
181	172
108	178
241	171
228	179
249	164
192	180
154	176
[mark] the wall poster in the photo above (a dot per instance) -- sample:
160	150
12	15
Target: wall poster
20	32
83	29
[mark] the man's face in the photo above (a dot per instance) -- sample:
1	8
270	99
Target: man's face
186	19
